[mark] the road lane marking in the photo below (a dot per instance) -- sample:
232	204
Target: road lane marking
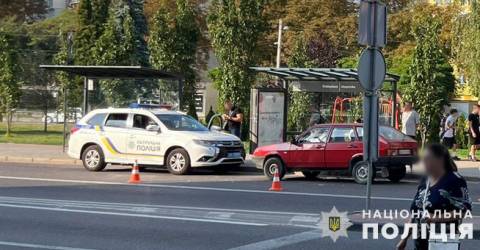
281	241
134	215
207	214
346	196
28	245
295	214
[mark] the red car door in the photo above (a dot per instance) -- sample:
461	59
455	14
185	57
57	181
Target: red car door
342	145
309	151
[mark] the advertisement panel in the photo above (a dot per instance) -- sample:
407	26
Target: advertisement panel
271	108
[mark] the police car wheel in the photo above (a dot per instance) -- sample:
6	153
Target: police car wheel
270	165
396	174
360	172
178	162
93	159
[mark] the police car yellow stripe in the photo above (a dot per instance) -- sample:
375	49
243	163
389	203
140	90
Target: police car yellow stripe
111	149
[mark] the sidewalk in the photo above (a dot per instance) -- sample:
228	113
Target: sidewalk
468	169
47	154
31	153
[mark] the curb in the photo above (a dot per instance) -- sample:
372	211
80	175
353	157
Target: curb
54	161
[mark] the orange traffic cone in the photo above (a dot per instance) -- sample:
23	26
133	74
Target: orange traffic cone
276	185
135	176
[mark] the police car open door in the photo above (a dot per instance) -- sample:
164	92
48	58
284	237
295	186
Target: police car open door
144	143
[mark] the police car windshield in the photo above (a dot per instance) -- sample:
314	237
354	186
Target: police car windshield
181	122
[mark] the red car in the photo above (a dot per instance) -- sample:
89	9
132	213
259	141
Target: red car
338	148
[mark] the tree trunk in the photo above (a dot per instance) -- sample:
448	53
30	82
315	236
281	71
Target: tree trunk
45	114
9	121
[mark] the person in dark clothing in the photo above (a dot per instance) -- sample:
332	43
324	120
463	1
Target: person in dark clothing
474	132
442	192
233	118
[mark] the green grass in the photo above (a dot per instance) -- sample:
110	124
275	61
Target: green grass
32	134
463	153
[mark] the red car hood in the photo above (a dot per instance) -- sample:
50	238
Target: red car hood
265	150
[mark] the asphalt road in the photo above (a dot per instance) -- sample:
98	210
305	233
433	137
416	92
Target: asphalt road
66	207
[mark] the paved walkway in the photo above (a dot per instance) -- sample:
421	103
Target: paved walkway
47	154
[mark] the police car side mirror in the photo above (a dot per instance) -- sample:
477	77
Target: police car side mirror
153	128
215	128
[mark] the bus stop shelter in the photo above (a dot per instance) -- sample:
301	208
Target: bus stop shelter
337	85
115	72
112	72
328	80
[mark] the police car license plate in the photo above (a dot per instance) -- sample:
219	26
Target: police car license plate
234	155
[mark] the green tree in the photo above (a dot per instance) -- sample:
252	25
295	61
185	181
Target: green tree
299	102
85	36
431	79
23	10
140	49
99	14
69	88
467	47
327	21
173	43
122	43
235	29
9	85
92	16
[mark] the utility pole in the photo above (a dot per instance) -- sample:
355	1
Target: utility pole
65	89
371	75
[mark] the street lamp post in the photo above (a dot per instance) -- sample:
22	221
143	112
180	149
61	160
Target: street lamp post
281	28
279	42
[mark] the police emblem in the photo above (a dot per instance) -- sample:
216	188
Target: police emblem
334	224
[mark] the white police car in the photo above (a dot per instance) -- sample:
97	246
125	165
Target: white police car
162	138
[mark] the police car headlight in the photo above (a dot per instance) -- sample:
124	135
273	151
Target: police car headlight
205	143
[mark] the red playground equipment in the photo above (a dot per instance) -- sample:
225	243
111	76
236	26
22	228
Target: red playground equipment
338	106
386	109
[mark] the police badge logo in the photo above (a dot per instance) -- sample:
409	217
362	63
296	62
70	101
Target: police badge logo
334	224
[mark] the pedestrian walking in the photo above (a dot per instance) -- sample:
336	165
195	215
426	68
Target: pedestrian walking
233	118
442	193
410	120
449	133
474	132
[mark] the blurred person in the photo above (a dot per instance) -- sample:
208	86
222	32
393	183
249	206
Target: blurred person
315	117
449	133
442	191
410	120
474	132
445	115
233	118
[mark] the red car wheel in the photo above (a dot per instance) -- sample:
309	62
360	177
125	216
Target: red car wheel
270	165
